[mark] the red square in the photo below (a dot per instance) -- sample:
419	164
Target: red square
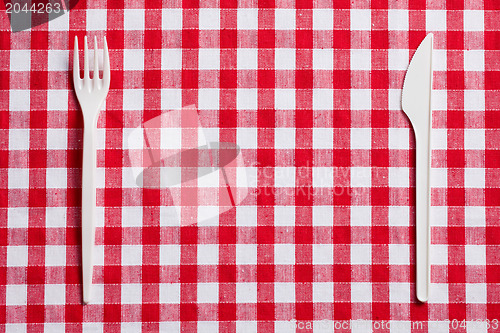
303	235
190	39
454	4
266	3
304	79
4	80
150	274
456	274
266	39
493	235
35	314
380	39
304	311
228	78
492	5
341	158
265	157
457	311
341	39
227	311
112	313
265	196
189	79
115	39
380	79
150	312
303	157
265	273
37	197
382	311
341	235
380	4
35	275
492	39
112	274
265	311
303	4
342	311
227	235
492	196
380	196
416	4
455	40
117	81
152	79
303	273
112	235
189	235
491	81
265	78
151	197
227	273
38	158
455	119
113	158
265	118
341	273
380	234
416	36
188	312
455	80
39	40
3	237
304	39
152	39
229	3
419	311
380	119
455	158
456	197
73	313
380	273
5	40
228	38
112	197
493	274
36	236
303	196
303	118
491	119
188	274
151	235
265	235
73	275
341	79
38	80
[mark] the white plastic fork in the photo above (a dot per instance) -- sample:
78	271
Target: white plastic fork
91	93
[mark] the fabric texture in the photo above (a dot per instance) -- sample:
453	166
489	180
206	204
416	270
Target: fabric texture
323	233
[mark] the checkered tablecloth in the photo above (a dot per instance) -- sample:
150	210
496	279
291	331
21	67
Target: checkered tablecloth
311	92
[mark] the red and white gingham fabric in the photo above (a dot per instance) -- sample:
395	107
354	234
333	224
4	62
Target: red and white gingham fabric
311	92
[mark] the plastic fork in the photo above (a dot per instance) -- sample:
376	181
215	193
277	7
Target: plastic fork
91	93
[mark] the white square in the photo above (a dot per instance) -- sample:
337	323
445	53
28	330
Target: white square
55	217
322	138
133	19
323	59
439	177
59	23
99	176
475	255
170	327
284	19
247	58
399	216
55	294
57	100
170	255
473	20
133	59
171	19
435	20
55	255
247	137
284	254
439	293
284	99
246	292
209	18
322	215
208	99
398	19
16	294
208	254
361	19
19	100
131	255
93	327
361	138
19	139
207	326
246	326
17	256
322	19
284	215
99	254
439	138
131	293
399	138
208	58
284	138
284	59
361	292
399	292
474	100
439	254
248	19
171	138
436	326
132	327
170	293
246	254
361	215
284	292
18	178
246	99
322	177
131	216
475	216
395	98
207	293
96	20
474	139
474	60
399	177
323	254
438	216
171	99
133	99
284	176
476	293
17	217
361	254
361	99
322	292
439	100
171	59
210	215
399	254
56	178
58	60
398	59
361	59
439	60
322	99
474	178
361	177
246	216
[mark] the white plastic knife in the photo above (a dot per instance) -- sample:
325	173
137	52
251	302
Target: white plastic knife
416	102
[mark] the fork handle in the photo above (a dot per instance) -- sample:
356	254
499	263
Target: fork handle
88	205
